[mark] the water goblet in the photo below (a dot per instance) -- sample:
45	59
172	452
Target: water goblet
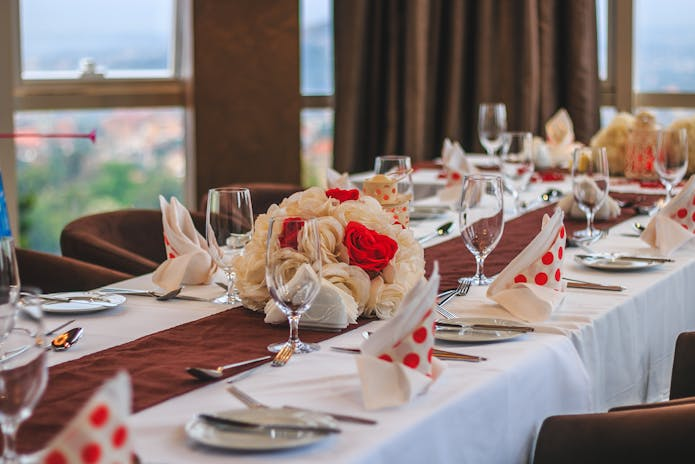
516	163
9	286
23	372
397	167
229	227
492	122
481	219
589	187
293	272
670	158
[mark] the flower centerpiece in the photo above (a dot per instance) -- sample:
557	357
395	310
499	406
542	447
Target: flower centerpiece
363	253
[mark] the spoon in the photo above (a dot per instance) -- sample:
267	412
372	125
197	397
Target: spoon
169	295
639	226
203	373
65	340
440	232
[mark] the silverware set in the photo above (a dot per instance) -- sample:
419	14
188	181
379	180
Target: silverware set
444	297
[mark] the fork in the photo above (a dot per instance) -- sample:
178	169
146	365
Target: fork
443	312
283	355
461	290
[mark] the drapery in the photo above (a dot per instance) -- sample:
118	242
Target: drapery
410	72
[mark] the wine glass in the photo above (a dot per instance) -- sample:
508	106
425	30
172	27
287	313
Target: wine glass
293	272
516	163
670	158
229	227
9	286
23	372
589	187
400	168
481	219
492	122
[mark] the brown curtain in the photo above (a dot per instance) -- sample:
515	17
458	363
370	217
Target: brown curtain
411	72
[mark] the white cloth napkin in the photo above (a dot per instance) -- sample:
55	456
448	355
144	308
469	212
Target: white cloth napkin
610	209
531	286
188	261
674	225
334	179
99	432
456	165
559	132
396	363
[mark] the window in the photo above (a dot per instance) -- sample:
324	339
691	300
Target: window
111	66
646	58
316	41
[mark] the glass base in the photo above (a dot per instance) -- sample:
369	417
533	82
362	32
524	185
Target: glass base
588	236
477	280
227	299
299	347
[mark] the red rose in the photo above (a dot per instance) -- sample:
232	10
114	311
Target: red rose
290	230
343	195
368	249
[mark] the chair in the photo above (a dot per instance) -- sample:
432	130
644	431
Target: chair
263	194
129	240
654	432
52	273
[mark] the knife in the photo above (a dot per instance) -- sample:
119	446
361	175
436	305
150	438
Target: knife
647	259
590	286
459	326
255	426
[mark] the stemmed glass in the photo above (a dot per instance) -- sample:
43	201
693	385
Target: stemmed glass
23	372
229	227
492	121
516	163
670	158
9	286
589	187
481	219
293	272
400	168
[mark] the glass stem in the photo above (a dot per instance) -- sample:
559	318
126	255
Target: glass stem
9	433
590	222
479	260
294	328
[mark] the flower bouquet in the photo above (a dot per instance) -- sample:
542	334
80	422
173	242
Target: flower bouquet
365	256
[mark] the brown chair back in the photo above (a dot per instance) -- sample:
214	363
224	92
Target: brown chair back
130	241
263	194
52	273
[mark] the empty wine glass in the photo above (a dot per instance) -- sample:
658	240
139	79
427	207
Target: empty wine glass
670	158
9	286
23	372
293	272
589	187
516	163
481	219
400	168
492	122
229	227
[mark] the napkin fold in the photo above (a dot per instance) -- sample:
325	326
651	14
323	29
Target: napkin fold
531	286
396	362
559	132
455	165
99	432
610	209
188	261
674	225
334	179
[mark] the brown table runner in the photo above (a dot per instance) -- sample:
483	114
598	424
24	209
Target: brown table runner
156	362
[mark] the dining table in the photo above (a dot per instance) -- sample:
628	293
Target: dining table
598	350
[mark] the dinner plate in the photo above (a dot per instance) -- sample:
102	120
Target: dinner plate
106	301
475	335
608	264
421	213
264	440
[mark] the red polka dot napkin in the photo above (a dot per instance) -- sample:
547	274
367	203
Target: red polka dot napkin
531	285
396	363
674	225
188	261
99	432
455	165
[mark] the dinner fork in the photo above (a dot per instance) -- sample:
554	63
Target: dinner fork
443	312
461	290
283	355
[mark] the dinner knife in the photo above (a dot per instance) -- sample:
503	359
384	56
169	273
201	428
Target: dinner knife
592	286
255	426
647	259
511	328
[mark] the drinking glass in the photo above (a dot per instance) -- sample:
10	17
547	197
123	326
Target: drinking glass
670	158
293	272
516	163
492	122
229	227
23	372
589	187
9	286
481	219
400	168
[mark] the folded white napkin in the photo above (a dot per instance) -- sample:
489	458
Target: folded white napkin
674	225
559	132
336	180
99	432
396	362
188	261
610	209
456	165
531	286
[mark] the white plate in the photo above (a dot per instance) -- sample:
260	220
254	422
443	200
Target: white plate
110	301
608	264
473	335
243	440
421	213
